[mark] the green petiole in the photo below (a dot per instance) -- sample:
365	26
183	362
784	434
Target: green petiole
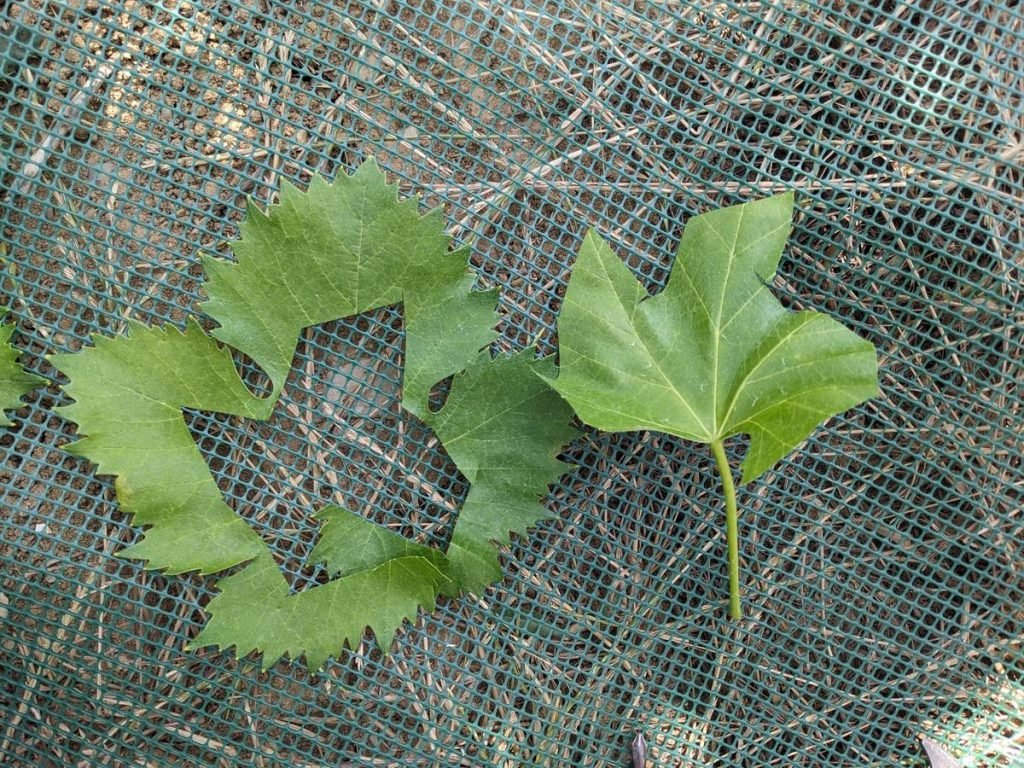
731	528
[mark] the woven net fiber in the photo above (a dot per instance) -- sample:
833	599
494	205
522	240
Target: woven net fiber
883	561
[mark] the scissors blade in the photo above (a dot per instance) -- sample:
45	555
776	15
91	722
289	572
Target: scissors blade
639	752
937	756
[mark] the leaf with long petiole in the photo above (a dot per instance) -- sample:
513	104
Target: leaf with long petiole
714	354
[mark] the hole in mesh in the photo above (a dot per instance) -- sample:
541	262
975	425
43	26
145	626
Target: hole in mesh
337	436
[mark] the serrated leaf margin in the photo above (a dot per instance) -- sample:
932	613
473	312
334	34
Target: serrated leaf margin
15	381
433	579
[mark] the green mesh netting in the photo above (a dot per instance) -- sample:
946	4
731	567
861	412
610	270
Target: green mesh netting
883	562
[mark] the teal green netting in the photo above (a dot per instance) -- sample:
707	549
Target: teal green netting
883	561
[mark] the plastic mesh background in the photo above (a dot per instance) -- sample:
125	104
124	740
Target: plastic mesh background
883	568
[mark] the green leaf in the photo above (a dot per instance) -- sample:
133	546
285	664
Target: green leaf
349	543
503	427
15	382
129	392
382	579
339	249
254	610
714	354
333	251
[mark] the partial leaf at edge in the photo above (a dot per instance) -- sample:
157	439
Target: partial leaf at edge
714	354
15	382
937	756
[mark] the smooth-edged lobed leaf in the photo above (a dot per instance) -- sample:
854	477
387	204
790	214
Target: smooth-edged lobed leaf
333	251
15	382
714	354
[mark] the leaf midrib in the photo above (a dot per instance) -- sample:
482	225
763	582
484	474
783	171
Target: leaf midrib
716	330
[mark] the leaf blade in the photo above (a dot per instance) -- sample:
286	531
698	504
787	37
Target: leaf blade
15	381
503	427
128	393
339	249
606	307
318	622
732	351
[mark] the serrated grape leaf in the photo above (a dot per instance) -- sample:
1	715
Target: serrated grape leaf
333	251
714	354
318	621
503	427
340	249
15	382
255	611
128	393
